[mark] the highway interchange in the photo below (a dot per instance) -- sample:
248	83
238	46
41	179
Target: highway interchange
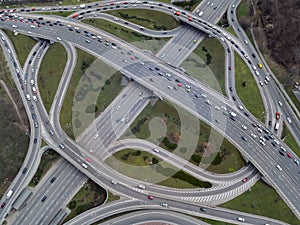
287	185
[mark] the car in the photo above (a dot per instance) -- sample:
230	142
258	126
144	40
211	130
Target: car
36	125
283	148
87	41
279	167
44	198
241	219
114	182
35	140
289	120
202	209
280	103
261	83
164	204
270	123
84	165
281	153
296	161
229	67
24	170
88	159
244	127
230	89
14	26
150	197
260	65
253	135
3	204
155	150
52	179
233	98
246	42
241	107
289	155
33	116
58	38
62	146
245	180
51	132
244	138
262	142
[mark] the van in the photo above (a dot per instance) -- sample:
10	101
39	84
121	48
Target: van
9	194
141	186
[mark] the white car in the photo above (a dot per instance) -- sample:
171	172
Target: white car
280	103
253	135
58	38
261	83
241	107
289	120
14	26
278	167
262	143
246	42
244	127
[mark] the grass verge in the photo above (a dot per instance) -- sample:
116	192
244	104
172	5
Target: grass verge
231	30
14	133
48	159
89	196
247	89
133	37
243	9
263	200
146	162
111	197
289	140
194	147
89	93
147	18
206	64
50	73
22	45
84	60
58	13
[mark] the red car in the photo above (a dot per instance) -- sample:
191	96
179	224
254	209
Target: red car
150	197
88	159
289	155
245	180
179	85
22	87
132	58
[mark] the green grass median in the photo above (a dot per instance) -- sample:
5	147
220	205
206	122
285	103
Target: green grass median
50	72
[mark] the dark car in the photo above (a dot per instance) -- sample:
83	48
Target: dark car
52	179
230	89
33	116
24	170
35	141
2	205
233	98
43	198
202	209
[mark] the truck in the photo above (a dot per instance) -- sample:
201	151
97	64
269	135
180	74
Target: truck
9	194
276	126
82	6
277	115
232	114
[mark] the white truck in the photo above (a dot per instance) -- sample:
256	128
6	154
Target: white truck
276	126
82	6
232	114
9	194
